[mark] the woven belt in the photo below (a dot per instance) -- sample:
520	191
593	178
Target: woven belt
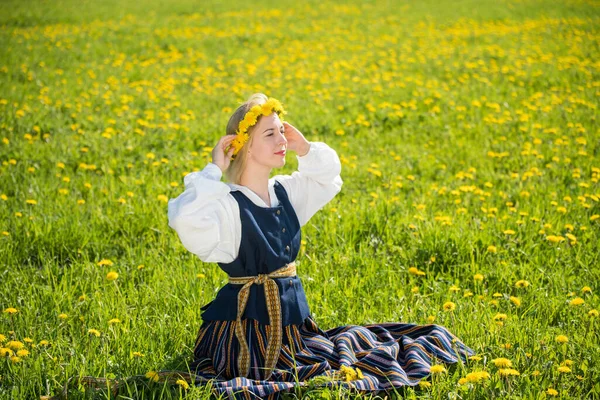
274	310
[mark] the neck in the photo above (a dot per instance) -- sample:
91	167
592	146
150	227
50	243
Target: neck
256	178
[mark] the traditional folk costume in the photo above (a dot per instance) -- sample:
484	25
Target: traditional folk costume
258	338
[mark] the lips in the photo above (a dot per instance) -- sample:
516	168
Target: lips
281	153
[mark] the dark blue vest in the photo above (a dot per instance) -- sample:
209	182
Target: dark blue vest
270	240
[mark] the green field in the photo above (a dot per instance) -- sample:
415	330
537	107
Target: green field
470	153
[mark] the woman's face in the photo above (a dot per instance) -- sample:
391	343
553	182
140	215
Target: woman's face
268	145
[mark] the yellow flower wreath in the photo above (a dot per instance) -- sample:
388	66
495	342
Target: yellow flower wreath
251	118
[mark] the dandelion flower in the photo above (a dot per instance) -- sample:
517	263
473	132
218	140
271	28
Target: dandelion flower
562	339
492	249
22	353
577	301
183	384
152	375
593	313
437	369
564	369
449	306
425	384
114	321
500	317
5	351
2	338
11	310
502	362
415	271
586	289
478	277
112	275
551	392
104	261
63	316
477	376
94	332
508	372
15	345
15	359
522	284
515	300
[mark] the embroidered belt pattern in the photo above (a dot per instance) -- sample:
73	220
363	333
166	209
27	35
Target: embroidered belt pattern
274	310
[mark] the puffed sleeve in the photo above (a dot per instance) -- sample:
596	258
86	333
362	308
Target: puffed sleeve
206	217
316	181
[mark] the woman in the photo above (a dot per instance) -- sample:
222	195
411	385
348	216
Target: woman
257	336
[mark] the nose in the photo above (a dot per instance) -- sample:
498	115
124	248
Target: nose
282	139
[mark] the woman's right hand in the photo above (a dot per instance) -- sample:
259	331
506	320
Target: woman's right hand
219	157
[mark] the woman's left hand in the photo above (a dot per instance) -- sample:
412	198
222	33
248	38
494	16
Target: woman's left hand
296	140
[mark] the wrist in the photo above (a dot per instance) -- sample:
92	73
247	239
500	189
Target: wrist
304	149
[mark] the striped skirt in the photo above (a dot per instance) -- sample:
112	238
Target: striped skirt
389	355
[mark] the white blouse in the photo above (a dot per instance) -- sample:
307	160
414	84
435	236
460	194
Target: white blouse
206	216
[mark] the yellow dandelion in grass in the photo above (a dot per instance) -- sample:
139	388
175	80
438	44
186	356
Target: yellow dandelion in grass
515	300
10	310
594	217
449	306
44	343
200	276
2	338
105	261
462	381
183	384
536	373
586	289
593	313
6	352
437	369
15	359
114	321
454	289
137	354
562	339
551	392
508	372
502	362
564	369
508	232
152	375
555	239
424	384
22	353
63	316
112	275
430	319
492	249
475	358
577	301
31	201
500	317
478	277
94	332
162	198
522	283
477	376
416	271
15	345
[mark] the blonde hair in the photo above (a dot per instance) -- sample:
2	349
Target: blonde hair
234	172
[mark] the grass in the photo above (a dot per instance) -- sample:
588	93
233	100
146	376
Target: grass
469	142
